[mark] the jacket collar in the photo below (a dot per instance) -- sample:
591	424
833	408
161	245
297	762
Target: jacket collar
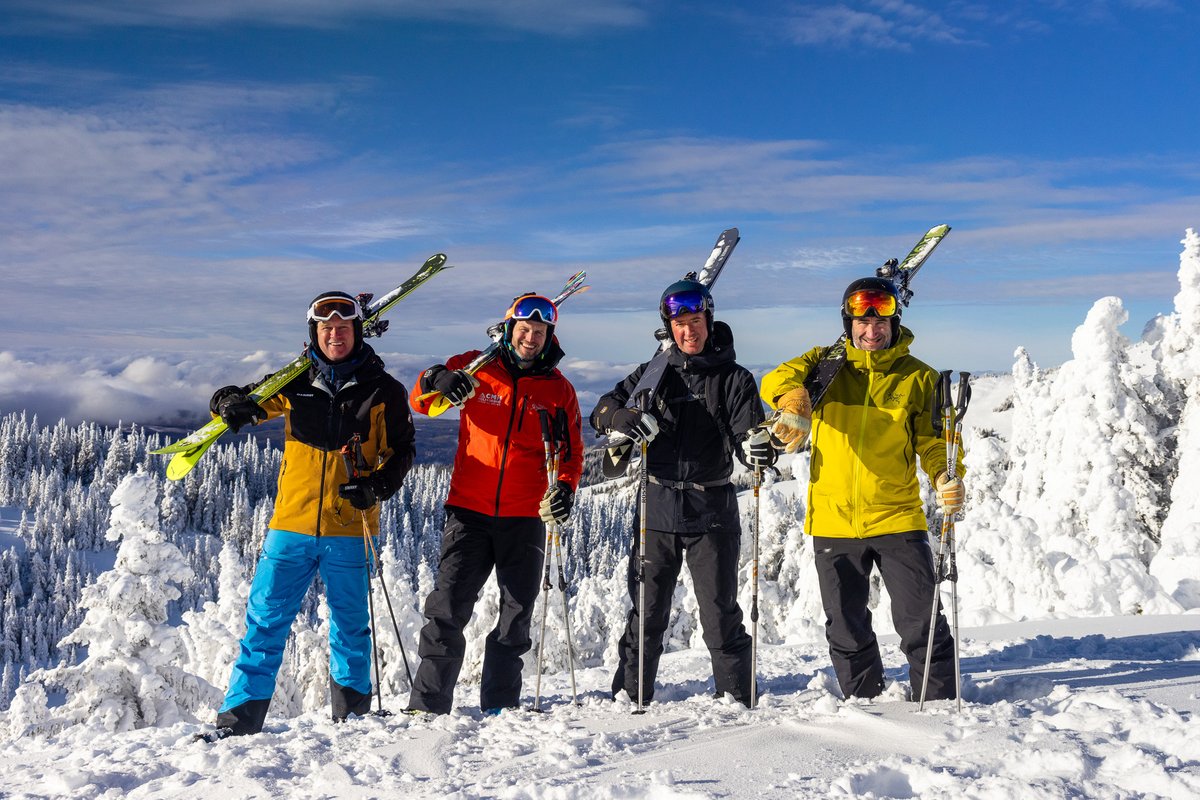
880	360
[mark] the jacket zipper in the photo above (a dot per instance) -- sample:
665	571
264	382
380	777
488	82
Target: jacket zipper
507	440
329	429
856	508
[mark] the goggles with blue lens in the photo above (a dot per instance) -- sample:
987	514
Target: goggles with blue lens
535	308
688	301
324	309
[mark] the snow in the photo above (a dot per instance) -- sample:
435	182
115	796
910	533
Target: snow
1099	707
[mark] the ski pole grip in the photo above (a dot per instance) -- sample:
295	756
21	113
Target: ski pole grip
547	426
348	460
964	394
944	397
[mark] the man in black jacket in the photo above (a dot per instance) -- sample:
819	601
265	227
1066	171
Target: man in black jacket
703	412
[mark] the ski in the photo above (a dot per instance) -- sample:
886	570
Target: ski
439	405
188	450
618	450
899	273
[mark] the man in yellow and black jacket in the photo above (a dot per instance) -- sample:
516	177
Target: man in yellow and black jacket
864	502
321	512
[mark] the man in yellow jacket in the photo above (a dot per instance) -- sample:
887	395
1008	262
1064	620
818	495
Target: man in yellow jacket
864	502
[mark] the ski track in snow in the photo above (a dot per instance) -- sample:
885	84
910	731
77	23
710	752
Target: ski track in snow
1098	708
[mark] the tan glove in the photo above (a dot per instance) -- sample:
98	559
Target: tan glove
949	494
795	419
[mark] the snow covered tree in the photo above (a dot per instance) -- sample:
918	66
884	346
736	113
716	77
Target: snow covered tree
1177	565
129	678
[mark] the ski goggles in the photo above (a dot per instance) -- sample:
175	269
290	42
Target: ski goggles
534	307
324	309
688	301
864	301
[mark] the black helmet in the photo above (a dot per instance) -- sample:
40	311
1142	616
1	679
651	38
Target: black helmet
872	297
327	305
686	296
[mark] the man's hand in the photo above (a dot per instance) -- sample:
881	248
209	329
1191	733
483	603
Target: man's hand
232	405
949	494
455	385
637	425
557	503
794	421
362	493
757	452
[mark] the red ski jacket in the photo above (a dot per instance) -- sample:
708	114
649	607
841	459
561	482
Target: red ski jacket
500	465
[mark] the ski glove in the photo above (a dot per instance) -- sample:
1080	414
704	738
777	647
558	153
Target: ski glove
455	385
637	425
556	505
757	452
362	493
235	408
949	494
794	421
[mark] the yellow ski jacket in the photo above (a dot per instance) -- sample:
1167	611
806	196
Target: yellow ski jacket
867	433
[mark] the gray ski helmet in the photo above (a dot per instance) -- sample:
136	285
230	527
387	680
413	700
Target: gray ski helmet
872	284
351	306
686	296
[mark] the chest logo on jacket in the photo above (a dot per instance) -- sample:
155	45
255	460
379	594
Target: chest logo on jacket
490	399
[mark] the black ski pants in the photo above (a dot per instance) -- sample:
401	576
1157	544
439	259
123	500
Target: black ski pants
905	563
472	545
712	559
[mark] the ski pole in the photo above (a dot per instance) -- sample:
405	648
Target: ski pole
350	451
754	595
948	422
562	437
356	443
960	411
551	473
643	482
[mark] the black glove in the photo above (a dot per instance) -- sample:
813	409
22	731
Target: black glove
361	492
455	385
757	451
557	503
637	425
237	410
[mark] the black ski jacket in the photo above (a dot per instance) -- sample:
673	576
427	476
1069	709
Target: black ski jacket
705	405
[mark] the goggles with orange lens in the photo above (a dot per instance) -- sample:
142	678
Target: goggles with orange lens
326	308
534	307
865	301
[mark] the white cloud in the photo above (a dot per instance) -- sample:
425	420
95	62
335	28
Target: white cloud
539	16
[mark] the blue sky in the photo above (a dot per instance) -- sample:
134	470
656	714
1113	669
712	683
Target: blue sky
181	178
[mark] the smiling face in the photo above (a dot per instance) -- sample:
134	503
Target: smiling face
528	338
335	337
690	332
871	333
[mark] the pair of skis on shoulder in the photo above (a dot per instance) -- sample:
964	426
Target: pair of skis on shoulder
188	450
440	405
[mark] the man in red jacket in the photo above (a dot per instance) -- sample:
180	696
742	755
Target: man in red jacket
499	502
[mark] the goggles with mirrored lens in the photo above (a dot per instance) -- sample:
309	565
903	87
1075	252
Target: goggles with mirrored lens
688	301
864	301
326	308
534	307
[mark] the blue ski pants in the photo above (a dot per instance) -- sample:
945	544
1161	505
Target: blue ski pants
287	566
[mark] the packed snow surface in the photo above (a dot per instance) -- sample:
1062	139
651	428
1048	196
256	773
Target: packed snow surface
1098	708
